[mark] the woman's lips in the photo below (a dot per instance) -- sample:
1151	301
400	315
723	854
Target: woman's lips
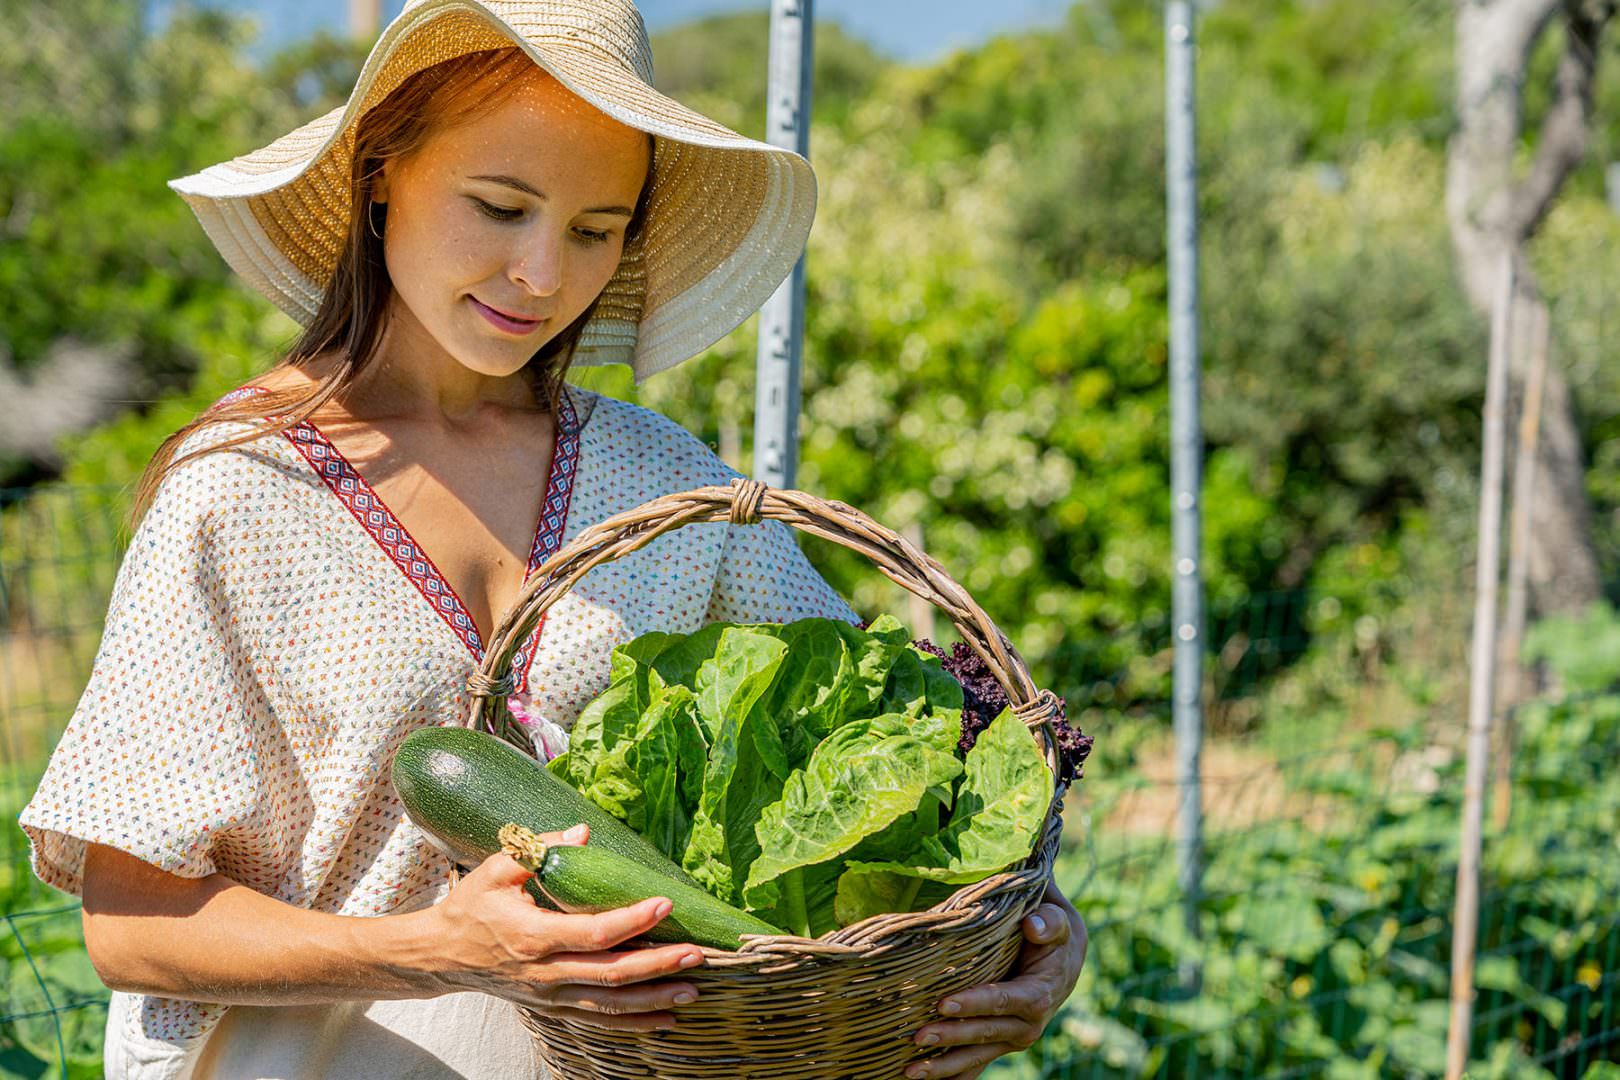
504	322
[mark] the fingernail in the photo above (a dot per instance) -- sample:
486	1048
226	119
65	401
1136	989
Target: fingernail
915	1071
685	997
691	960
575	832
951	1008
663	909
929	1039
1038	923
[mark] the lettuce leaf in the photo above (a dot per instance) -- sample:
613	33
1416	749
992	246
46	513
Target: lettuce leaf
747	762
860	780
636	766
1000	807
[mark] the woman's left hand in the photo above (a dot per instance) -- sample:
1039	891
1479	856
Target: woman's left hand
1003	1018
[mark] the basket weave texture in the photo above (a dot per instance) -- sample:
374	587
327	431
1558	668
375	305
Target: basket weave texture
846	1005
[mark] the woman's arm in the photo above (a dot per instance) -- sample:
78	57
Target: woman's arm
213	939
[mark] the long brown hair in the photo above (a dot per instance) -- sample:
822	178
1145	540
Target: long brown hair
353	310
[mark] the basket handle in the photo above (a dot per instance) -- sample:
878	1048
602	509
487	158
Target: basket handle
747	502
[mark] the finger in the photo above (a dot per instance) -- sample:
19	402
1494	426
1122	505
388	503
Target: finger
619	968
654	1021
540	999
1013	1030
1007	1029
572	836
1047	925
1023	997
500	871
592	933
625	1001
503	871
959	1061
1059	962
1032	958
1069	951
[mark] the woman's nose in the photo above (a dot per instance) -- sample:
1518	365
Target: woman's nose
538	264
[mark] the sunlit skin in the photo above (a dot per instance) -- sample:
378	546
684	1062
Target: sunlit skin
452	439
453	239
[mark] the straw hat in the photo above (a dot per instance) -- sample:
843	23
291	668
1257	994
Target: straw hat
727	216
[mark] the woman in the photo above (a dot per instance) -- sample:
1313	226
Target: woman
320	557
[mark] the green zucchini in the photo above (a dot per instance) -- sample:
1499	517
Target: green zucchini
460	786
581	878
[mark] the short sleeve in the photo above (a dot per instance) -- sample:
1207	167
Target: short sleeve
763	576
159	758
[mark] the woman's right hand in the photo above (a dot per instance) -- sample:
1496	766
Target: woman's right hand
492	937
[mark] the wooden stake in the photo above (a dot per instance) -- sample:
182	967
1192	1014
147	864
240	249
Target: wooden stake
1481	686
1513	620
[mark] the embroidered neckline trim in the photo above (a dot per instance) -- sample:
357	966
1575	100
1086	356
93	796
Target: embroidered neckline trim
408	556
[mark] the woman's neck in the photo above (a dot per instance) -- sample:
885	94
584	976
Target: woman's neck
412	376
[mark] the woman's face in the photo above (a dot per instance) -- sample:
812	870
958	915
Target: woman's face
521	212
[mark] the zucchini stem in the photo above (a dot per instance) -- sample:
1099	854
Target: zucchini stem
523	845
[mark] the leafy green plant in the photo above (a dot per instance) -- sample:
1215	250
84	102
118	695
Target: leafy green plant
807	772
1582	650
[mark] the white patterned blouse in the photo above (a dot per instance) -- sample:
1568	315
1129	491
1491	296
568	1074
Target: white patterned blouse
274	632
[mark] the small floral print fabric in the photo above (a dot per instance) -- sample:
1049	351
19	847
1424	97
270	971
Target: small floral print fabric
274	633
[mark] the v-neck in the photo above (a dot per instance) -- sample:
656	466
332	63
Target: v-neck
408	556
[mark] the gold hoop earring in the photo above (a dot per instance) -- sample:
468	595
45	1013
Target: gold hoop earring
371	218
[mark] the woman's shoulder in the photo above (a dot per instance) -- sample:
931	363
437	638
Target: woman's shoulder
221	467
645	439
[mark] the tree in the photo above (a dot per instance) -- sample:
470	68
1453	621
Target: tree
1495	208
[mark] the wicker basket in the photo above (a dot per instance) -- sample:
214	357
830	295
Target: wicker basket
845	1005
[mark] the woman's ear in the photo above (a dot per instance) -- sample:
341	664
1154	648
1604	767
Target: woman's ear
379	183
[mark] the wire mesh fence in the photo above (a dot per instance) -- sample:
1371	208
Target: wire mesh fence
1323	927
1325	921
59	551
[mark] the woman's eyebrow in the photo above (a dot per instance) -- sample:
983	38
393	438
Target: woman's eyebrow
527	188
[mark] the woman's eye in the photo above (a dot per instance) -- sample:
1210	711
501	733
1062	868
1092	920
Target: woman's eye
499	213
506	213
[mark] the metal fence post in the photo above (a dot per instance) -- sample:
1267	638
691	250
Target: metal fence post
1186	457
1481	686
781	320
